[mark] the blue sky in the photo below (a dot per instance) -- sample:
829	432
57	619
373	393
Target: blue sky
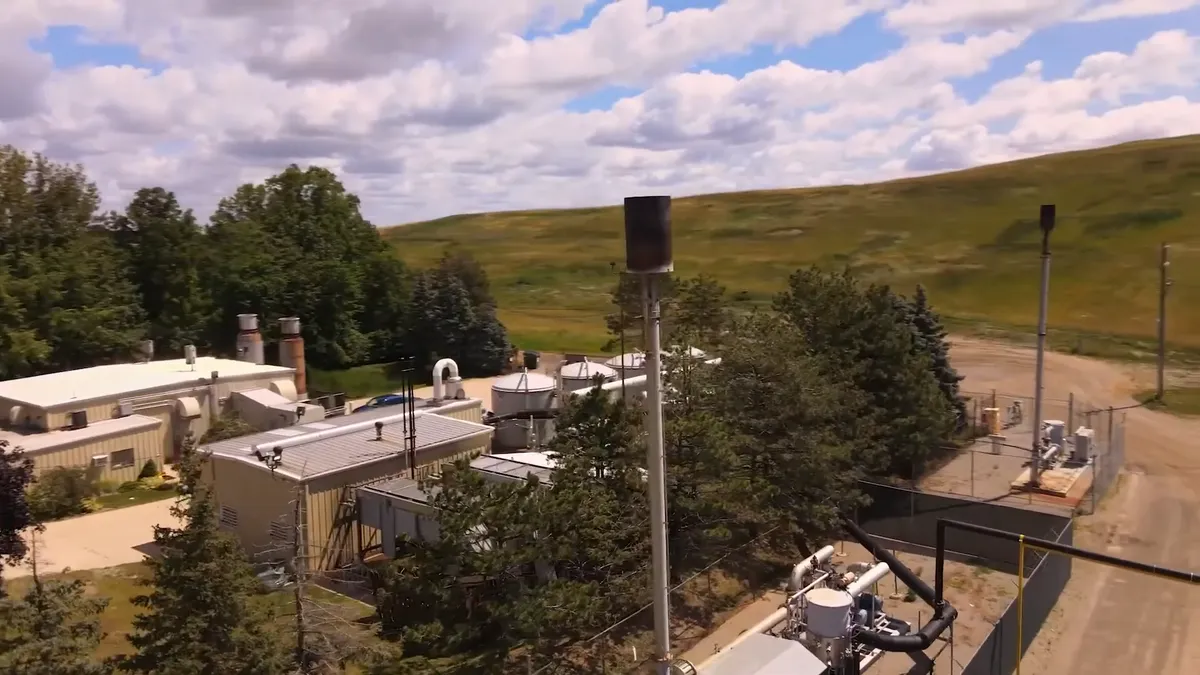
485	128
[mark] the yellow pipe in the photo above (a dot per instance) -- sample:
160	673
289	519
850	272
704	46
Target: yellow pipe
1020	597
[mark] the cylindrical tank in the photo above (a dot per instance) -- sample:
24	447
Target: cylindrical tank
522	392
991	421
628	365
828	612
249	340
693	352
583	374
291	352
147	350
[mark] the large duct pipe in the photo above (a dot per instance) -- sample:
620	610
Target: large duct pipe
868	579
806	566
943	613
291	352
439	368
617	385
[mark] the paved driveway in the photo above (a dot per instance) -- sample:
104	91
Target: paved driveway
98	540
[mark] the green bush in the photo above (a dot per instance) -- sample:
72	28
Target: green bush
149	470
130	486
107	487
60	493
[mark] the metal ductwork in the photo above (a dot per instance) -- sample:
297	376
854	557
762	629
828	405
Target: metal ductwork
291	352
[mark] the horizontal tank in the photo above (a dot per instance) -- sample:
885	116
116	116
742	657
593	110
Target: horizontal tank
693	352
828	612
628	365
521	392
583	374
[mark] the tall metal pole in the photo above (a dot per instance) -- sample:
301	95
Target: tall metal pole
621	314
648	255
656	467
1047	225
1163	283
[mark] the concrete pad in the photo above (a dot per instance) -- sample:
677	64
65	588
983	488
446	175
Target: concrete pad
97	540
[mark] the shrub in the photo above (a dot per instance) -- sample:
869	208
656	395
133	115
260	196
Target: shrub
107	487
130	486
60	493
149	470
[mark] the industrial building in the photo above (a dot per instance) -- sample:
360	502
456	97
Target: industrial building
402	507
311	470
111	419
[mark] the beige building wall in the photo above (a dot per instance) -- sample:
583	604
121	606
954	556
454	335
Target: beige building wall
254	505
470	414
332	521
146	444
161	405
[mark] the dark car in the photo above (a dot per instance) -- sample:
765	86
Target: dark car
382	401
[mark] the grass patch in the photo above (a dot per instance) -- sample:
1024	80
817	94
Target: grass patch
1179	401
360	381
970	237
120	500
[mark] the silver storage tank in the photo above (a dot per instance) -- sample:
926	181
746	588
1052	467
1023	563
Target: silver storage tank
628	365
522	392
583	374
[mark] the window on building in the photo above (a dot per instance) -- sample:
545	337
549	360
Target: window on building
229	517
121	459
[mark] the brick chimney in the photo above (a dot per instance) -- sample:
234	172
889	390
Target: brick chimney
291	351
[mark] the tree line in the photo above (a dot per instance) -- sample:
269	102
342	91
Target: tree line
81	287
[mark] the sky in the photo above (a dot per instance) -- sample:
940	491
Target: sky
428	108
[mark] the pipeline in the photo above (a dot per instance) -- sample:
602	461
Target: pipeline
943	613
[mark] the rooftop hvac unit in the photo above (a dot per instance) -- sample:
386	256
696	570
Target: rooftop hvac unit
79	419
189	354
124	408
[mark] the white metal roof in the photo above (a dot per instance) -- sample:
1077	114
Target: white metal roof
761	654
314	452
53	440
586	370
523	381
112	382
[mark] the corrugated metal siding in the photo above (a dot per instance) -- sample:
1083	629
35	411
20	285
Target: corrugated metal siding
472	414
162	406
333	539
259	499
146	445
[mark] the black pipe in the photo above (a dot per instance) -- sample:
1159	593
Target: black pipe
1033	542
524	415
943	613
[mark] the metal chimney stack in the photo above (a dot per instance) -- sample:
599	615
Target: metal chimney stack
1047	225
249	340
648	255
291	351
147	351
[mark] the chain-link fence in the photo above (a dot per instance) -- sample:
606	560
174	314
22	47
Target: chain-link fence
993	462
1108	453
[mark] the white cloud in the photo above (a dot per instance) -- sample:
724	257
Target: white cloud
429	108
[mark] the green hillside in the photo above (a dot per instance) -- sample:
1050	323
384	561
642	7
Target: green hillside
970	236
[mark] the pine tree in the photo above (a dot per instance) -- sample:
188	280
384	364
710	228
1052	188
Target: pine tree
53	630
197	617
16	473
930	337
862	337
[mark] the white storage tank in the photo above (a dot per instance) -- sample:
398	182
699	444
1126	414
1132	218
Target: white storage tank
522	392
628	365
828	612
583	374
1055	430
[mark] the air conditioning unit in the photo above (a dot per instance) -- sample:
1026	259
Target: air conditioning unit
124	408
79	419
99	461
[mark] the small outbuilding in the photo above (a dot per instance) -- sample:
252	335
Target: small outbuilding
301	481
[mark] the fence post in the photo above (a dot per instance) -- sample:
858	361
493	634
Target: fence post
972	451
993	398
1110	427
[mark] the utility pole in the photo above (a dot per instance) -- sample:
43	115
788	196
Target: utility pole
1164	282
1047	225
648	255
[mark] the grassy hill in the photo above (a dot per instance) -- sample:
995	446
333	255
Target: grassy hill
970	236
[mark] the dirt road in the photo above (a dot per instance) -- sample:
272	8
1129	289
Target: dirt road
1111	621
